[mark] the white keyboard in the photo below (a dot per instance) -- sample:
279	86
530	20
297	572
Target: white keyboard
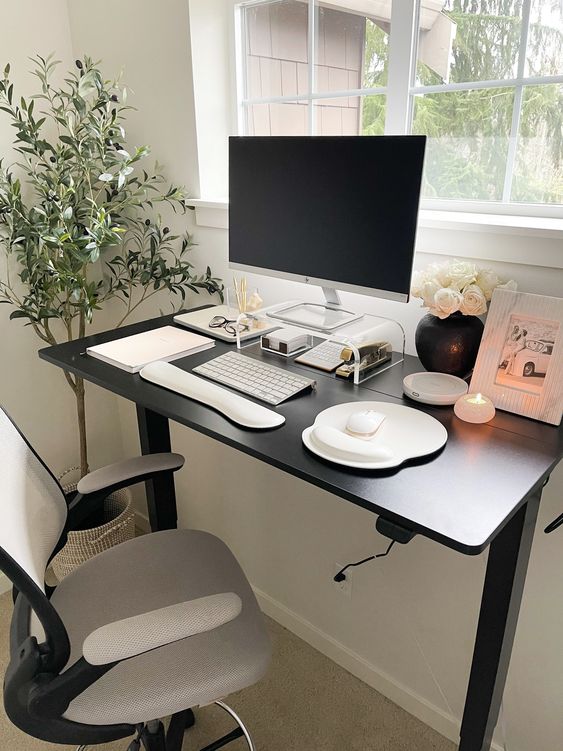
235	407
257	379
325	356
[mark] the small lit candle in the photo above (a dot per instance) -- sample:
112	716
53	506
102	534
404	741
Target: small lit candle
474	408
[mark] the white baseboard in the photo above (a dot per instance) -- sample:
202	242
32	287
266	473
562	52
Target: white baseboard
433	716
5	583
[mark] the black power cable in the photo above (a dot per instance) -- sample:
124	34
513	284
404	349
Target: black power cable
341	576
554	525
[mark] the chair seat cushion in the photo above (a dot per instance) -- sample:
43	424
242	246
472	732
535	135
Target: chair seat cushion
150	572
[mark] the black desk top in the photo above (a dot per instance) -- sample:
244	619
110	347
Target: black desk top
460	497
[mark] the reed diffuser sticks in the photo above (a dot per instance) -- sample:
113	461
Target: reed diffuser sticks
241	293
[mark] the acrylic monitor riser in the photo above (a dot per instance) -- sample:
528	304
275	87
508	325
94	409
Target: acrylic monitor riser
327	317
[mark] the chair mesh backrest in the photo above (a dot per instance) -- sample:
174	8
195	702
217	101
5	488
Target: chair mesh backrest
33	509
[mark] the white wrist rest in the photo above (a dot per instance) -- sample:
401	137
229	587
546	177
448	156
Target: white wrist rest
335	440
236	408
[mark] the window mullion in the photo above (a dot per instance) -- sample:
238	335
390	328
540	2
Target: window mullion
512	143
240	71
496	83
402	54
517	106
312	32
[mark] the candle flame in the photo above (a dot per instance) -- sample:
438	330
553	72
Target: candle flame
476	399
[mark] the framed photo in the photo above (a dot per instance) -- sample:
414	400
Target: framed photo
520	361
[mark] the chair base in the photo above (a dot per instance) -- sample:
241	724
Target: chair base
238	732
151	737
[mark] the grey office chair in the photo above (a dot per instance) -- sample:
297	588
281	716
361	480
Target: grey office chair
151	628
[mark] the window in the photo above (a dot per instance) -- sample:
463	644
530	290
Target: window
311	69
483	79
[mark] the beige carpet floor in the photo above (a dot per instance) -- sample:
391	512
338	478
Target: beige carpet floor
305	703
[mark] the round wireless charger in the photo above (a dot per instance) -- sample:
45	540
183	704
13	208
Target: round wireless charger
434	388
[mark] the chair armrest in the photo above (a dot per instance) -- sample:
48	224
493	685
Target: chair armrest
128	472
123	639
94	487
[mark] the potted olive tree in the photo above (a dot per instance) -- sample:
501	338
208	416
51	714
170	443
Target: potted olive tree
79	226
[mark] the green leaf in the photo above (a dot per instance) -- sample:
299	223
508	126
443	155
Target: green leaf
47	313
105	177
87	85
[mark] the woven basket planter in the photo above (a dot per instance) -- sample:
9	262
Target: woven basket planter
118	526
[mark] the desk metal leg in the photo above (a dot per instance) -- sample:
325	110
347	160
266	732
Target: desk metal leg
154	435
509	554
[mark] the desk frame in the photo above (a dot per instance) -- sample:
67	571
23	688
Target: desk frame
505	576
507	565
509	553
154	437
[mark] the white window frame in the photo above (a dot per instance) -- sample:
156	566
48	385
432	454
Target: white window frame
401	91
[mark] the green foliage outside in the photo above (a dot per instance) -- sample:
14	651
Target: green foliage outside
375	74
469	130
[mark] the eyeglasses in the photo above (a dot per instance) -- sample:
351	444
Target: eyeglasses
220	322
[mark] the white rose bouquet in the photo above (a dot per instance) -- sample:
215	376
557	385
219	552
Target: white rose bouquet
447	288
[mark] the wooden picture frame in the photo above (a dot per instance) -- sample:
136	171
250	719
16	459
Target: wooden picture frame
520	361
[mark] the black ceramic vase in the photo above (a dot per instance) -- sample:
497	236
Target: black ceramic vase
448	345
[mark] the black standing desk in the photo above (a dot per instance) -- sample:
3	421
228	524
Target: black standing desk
496	472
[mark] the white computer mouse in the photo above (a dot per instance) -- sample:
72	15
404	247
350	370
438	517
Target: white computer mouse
365	423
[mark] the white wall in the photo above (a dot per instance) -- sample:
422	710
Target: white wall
35	393
150	43
409	625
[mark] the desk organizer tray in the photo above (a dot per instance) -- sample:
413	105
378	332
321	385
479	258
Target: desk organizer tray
406	433
198	320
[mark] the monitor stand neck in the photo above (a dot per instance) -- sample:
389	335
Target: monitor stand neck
332	298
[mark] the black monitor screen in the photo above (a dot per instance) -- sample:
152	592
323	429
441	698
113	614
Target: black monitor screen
340	209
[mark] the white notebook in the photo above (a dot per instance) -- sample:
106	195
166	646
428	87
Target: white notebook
134	352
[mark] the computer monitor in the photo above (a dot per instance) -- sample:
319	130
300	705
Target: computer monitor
335	211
